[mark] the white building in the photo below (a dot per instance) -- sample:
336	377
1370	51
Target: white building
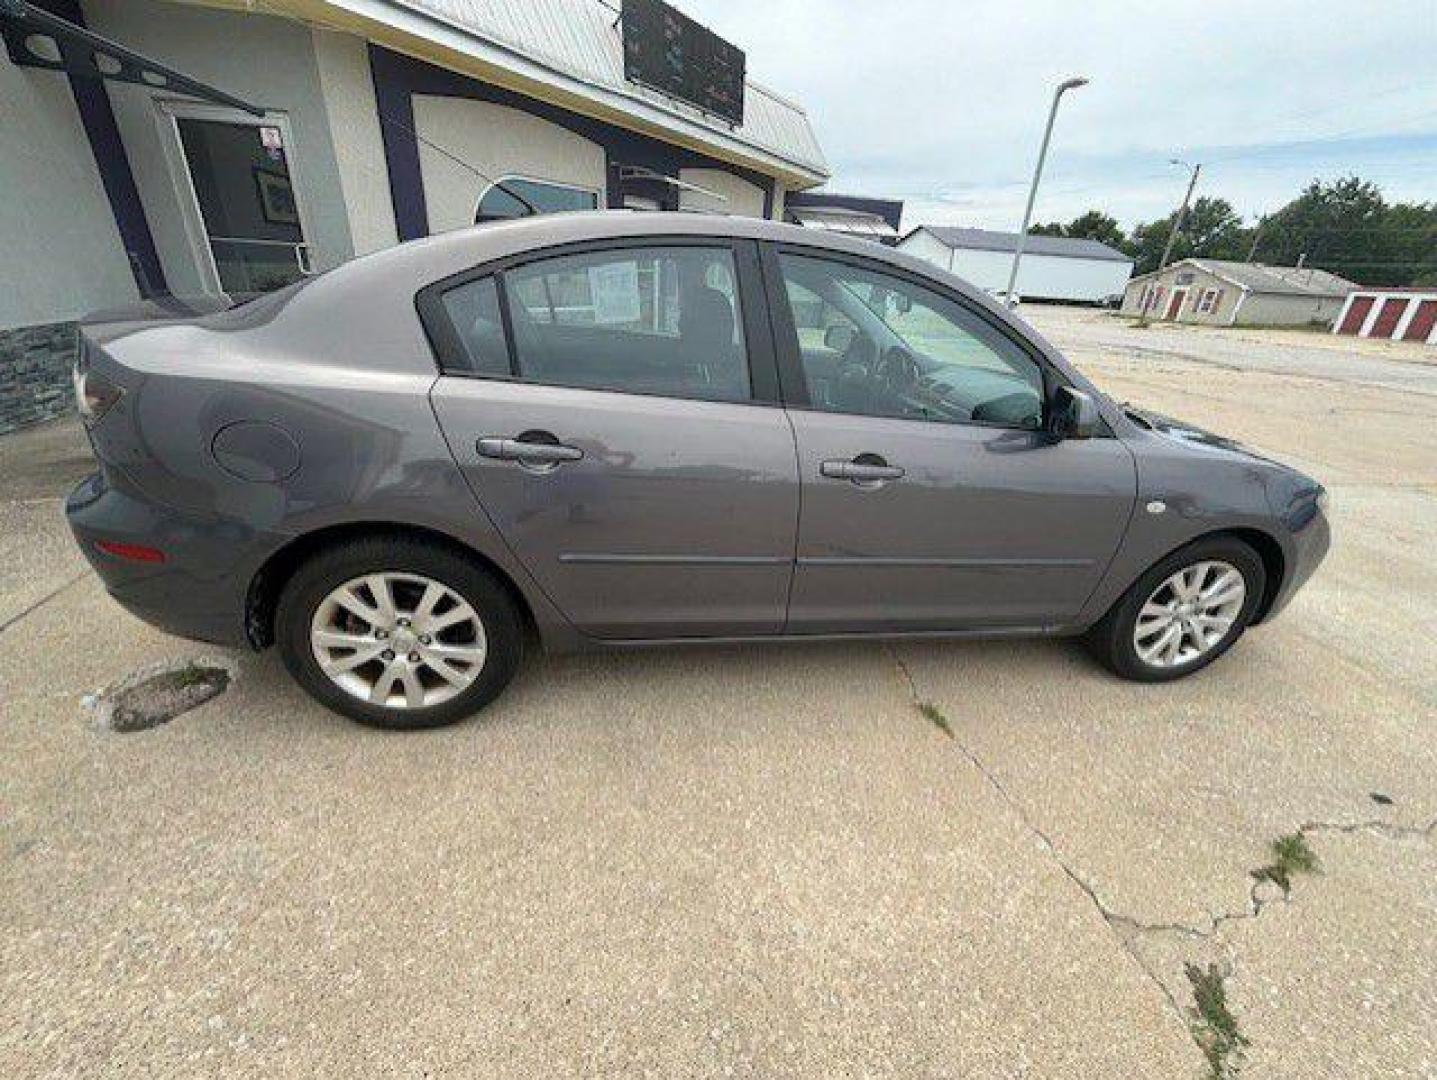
1052	268
193	147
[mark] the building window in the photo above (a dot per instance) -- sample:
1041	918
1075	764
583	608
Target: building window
1209	300
497	203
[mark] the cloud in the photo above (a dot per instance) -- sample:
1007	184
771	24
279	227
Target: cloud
943	103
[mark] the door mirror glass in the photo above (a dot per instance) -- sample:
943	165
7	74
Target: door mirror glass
839	338
1075	414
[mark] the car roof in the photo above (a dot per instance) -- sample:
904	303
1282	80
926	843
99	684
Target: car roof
412	265
497	240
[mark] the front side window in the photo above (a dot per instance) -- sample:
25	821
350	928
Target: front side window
546	198
879	345
662	320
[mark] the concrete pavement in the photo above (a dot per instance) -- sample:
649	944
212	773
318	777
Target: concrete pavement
760	862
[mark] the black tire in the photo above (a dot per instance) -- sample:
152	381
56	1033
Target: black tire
326	571
1111	639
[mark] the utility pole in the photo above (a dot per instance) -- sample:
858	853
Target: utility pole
1173	234
1182	214
1067	84
1256	237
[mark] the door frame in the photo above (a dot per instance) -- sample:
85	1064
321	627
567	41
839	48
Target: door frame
1176	299
168	113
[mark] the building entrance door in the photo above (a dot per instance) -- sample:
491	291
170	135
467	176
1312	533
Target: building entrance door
1175	305
247	225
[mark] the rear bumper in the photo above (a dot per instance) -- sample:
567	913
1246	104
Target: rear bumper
198	591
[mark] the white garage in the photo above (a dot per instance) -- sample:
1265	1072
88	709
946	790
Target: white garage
1052	268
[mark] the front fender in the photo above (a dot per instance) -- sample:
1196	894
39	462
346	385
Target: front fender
1183	496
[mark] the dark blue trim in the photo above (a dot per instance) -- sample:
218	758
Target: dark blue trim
398	78
113	164
393	99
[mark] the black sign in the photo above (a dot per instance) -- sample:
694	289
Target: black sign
666	50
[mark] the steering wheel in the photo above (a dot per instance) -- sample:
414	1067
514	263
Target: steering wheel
896	369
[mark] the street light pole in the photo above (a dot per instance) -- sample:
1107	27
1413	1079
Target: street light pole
1172	234
1068	84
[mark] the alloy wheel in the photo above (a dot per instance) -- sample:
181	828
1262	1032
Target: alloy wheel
1189	614
398	640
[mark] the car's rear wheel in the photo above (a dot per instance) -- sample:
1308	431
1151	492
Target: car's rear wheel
398	633
1184	613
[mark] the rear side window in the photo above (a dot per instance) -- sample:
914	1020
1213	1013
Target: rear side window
661	320
473	312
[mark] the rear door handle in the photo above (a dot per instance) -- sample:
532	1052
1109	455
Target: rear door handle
526	452
864	469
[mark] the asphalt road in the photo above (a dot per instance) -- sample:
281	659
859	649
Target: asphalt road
759	862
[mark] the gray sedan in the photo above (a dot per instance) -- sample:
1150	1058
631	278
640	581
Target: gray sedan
596	430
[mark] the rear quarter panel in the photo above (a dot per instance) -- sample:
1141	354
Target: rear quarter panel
369	449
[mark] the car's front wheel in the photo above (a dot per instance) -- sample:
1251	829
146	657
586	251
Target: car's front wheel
1184	613
398	632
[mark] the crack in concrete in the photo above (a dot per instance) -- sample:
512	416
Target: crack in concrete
1126	928
1258	902
1126	941
38	604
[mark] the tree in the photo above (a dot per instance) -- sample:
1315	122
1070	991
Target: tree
1343	225
1096	225
1346	226
1212	229
1091	225
1409	237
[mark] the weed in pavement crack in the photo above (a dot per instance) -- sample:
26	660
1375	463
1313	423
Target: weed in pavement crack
1214	1028
1210	1022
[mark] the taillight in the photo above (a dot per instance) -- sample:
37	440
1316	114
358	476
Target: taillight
95	395
132	552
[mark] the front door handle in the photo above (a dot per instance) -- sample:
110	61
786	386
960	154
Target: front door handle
527	452
864	469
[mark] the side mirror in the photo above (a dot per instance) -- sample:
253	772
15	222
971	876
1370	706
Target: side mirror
1074	414
838	337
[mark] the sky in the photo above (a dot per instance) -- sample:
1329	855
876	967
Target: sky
943	104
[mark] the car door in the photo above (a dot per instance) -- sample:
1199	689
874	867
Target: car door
614	409
932	496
